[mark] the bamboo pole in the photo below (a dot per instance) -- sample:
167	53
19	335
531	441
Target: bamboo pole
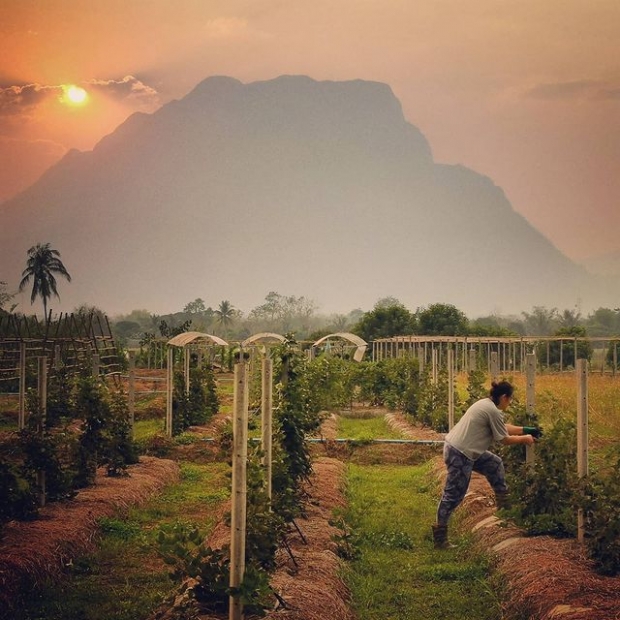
239	490
582	435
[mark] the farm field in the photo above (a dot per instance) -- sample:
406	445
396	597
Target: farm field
391	492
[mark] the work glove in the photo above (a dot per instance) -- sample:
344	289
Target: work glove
535	431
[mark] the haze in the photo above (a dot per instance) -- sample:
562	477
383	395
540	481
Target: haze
526	93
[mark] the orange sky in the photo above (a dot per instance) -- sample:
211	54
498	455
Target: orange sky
523	91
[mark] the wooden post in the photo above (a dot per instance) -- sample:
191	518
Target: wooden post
131	389
267	417
22	386
530	401
239	482
42	391
95	360
450	362
169	390
57	363
435	375
582	435
615	359
494	366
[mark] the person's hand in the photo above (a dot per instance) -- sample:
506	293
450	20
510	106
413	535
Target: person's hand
528	440
535	431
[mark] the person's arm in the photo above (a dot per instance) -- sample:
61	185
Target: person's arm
535	431
528	440
514	430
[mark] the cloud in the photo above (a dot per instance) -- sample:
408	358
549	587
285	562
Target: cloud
575	89
18	99
129	89
23	99
232	28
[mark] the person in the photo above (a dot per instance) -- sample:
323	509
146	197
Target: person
466	449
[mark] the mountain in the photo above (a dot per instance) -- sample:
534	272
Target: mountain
321	189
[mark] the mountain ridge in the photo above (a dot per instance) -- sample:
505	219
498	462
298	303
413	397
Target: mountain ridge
321	189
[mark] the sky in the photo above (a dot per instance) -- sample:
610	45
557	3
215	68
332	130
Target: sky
523	91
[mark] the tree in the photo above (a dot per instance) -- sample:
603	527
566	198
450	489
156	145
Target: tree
225	314
5	297
385	322
442	320
43	262
541	321
195	307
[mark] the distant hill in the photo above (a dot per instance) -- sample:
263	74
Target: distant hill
320	189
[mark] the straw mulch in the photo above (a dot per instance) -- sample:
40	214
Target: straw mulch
398	422
33	551
314	590
310	585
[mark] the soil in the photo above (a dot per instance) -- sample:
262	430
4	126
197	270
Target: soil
547	579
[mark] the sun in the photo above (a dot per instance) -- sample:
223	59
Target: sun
74	95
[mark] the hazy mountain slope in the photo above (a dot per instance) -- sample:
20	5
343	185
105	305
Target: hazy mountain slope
308	188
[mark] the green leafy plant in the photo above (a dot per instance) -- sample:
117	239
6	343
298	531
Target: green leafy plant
599	497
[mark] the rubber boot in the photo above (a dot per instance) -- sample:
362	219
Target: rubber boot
502	501
440	537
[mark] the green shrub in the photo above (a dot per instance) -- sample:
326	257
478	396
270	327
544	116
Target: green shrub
599	497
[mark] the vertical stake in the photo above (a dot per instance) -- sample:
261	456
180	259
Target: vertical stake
267	417
131	389
582	435
530	400
239	484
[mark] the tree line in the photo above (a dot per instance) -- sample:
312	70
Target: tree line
285	314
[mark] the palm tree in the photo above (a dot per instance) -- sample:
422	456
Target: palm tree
225	314
43	262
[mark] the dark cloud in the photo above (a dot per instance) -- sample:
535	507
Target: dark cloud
576	89
24	98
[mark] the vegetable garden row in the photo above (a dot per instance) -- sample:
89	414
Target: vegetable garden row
86	424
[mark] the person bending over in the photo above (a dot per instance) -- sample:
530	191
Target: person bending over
466	449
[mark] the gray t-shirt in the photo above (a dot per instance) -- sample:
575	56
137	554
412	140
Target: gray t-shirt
482	424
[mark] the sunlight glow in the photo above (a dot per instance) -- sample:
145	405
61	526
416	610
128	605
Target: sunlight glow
75	95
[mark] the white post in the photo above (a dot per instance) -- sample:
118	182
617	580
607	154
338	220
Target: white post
582	435
494	366
186	356
267	418
239	484
42	391
472	361
131	389
22	386
435	375
450	362
169	390
530	400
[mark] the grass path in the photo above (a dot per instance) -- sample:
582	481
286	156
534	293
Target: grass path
396	573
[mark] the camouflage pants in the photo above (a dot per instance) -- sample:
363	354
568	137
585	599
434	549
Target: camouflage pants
460	469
